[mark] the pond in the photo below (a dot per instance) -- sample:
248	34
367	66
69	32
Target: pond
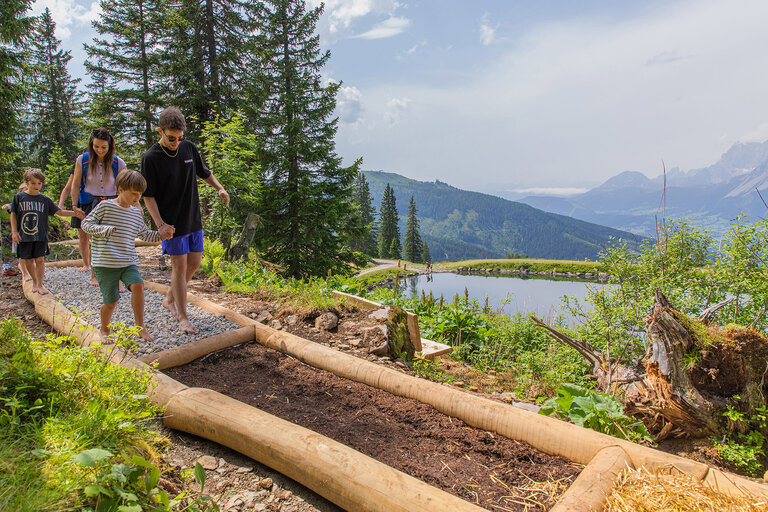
508	293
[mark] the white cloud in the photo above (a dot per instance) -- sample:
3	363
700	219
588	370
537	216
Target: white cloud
339	16
396	107
68	14
349	105
487	33
412	50
387	28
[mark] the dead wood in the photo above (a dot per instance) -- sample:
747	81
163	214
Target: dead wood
243	245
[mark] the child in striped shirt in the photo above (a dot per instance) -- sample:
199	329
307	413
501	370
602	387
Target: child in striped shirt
114	225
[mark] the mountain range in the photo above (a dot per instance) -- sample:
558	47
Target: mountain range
459	224
709	197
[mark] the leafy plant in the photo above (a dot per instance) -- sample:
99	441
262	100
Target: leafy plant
597	411
746	451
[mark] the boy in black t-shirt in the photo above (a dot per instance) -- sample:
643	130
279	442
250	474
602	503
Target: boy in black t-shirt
29	226
171	168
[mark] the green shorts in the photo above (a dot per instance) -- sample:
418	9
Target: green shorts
109	279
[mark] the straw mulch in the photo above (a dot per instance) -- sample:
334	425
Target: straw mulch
669	490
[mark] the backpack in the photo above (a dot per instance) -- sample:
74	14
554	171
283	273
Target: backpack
85	197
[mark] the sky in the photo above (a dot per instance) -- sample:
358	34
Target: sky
535	94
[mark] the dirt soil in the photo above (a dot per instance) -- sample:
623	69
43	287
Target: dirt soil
481	467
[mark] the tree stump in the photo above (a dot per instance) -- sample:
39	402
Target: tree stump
243	245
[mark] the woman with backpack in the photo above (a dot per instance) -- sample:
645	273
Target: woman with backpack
92	182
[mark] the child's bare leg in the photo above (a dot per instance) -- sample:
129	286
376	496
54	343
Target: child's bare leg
137	303
25	273
85	250
38	273
105	315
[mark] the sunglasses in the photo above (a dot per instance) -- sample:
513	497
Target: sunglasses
170	138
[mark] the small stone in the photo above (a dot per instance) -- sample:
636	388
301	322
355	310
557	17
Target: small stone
260	507
208	462
474	388
380	314
264	316
243	470
266	483
277	325
355	342
401	364
326	321
374	334
459	383
292	320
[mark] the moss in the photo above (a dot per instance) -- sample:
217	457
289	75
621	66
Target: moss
703	335
400	345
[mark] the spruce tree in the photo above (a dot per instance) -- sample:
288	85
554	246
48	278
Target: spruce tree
366	242
412	243
55	103
395	248
56	172
15	28
212	56
388	228
308	197
425	256
126	70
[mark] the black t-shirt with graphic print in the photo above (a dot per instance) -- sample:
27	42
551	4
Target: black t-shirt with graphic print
172	181
32	214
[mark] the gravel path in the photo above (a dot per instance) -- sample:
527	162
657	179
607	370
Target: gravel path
73	289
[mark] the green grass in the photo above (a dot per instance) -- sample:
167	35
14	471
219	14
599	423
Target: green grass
75	429
530	264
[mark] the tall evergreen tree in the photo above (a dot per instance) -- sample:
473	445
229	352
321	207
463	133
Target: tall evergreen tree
126	69
412	243
366	242
388	228
15	27
212	56
55	103
425	256
307	199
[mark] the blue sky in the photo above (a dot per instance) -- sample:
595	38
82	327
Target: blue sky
484	94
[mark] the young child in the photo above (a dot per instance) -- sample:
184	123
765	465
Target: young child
7	270
29	226
114	225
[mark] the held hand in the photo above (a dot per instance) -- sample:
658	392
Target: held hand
80	214
16	237
6	207
166	231
224	196
113	230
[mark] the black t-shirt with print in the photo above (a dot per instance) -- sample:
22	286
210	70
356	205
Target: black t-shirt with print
172	181
32	214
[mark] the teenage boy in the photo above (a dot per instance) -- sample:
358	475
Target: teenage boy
171	168
29	226
114	225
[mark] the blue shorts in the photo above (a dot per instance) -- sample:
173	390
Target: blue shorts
184	244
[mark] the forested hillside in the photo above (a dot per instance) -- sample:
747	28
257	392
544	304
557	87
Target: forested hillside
458	224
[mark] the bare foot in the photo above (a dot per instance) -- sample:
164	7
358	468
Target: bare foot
144	334
171	307
187	327
43	290
104	337
27	277
35	289
85	269
94	281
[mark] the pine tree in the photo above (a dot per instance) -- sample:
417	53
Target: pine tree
55	103
425	256
125	67
308	198
15	28
395	248
211	58
388	228
412	243
56	172
366	242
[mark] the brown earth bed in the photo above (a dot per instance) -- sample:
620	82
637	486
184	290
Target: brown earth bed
487	469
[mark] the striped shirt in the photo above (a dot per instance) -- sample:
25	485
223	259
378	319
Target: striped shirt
118	249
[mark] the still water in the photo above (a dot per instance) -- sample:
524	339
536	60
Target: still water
510	294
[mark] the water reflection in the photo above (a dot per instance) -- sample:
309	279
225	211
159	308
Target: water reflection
507	293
